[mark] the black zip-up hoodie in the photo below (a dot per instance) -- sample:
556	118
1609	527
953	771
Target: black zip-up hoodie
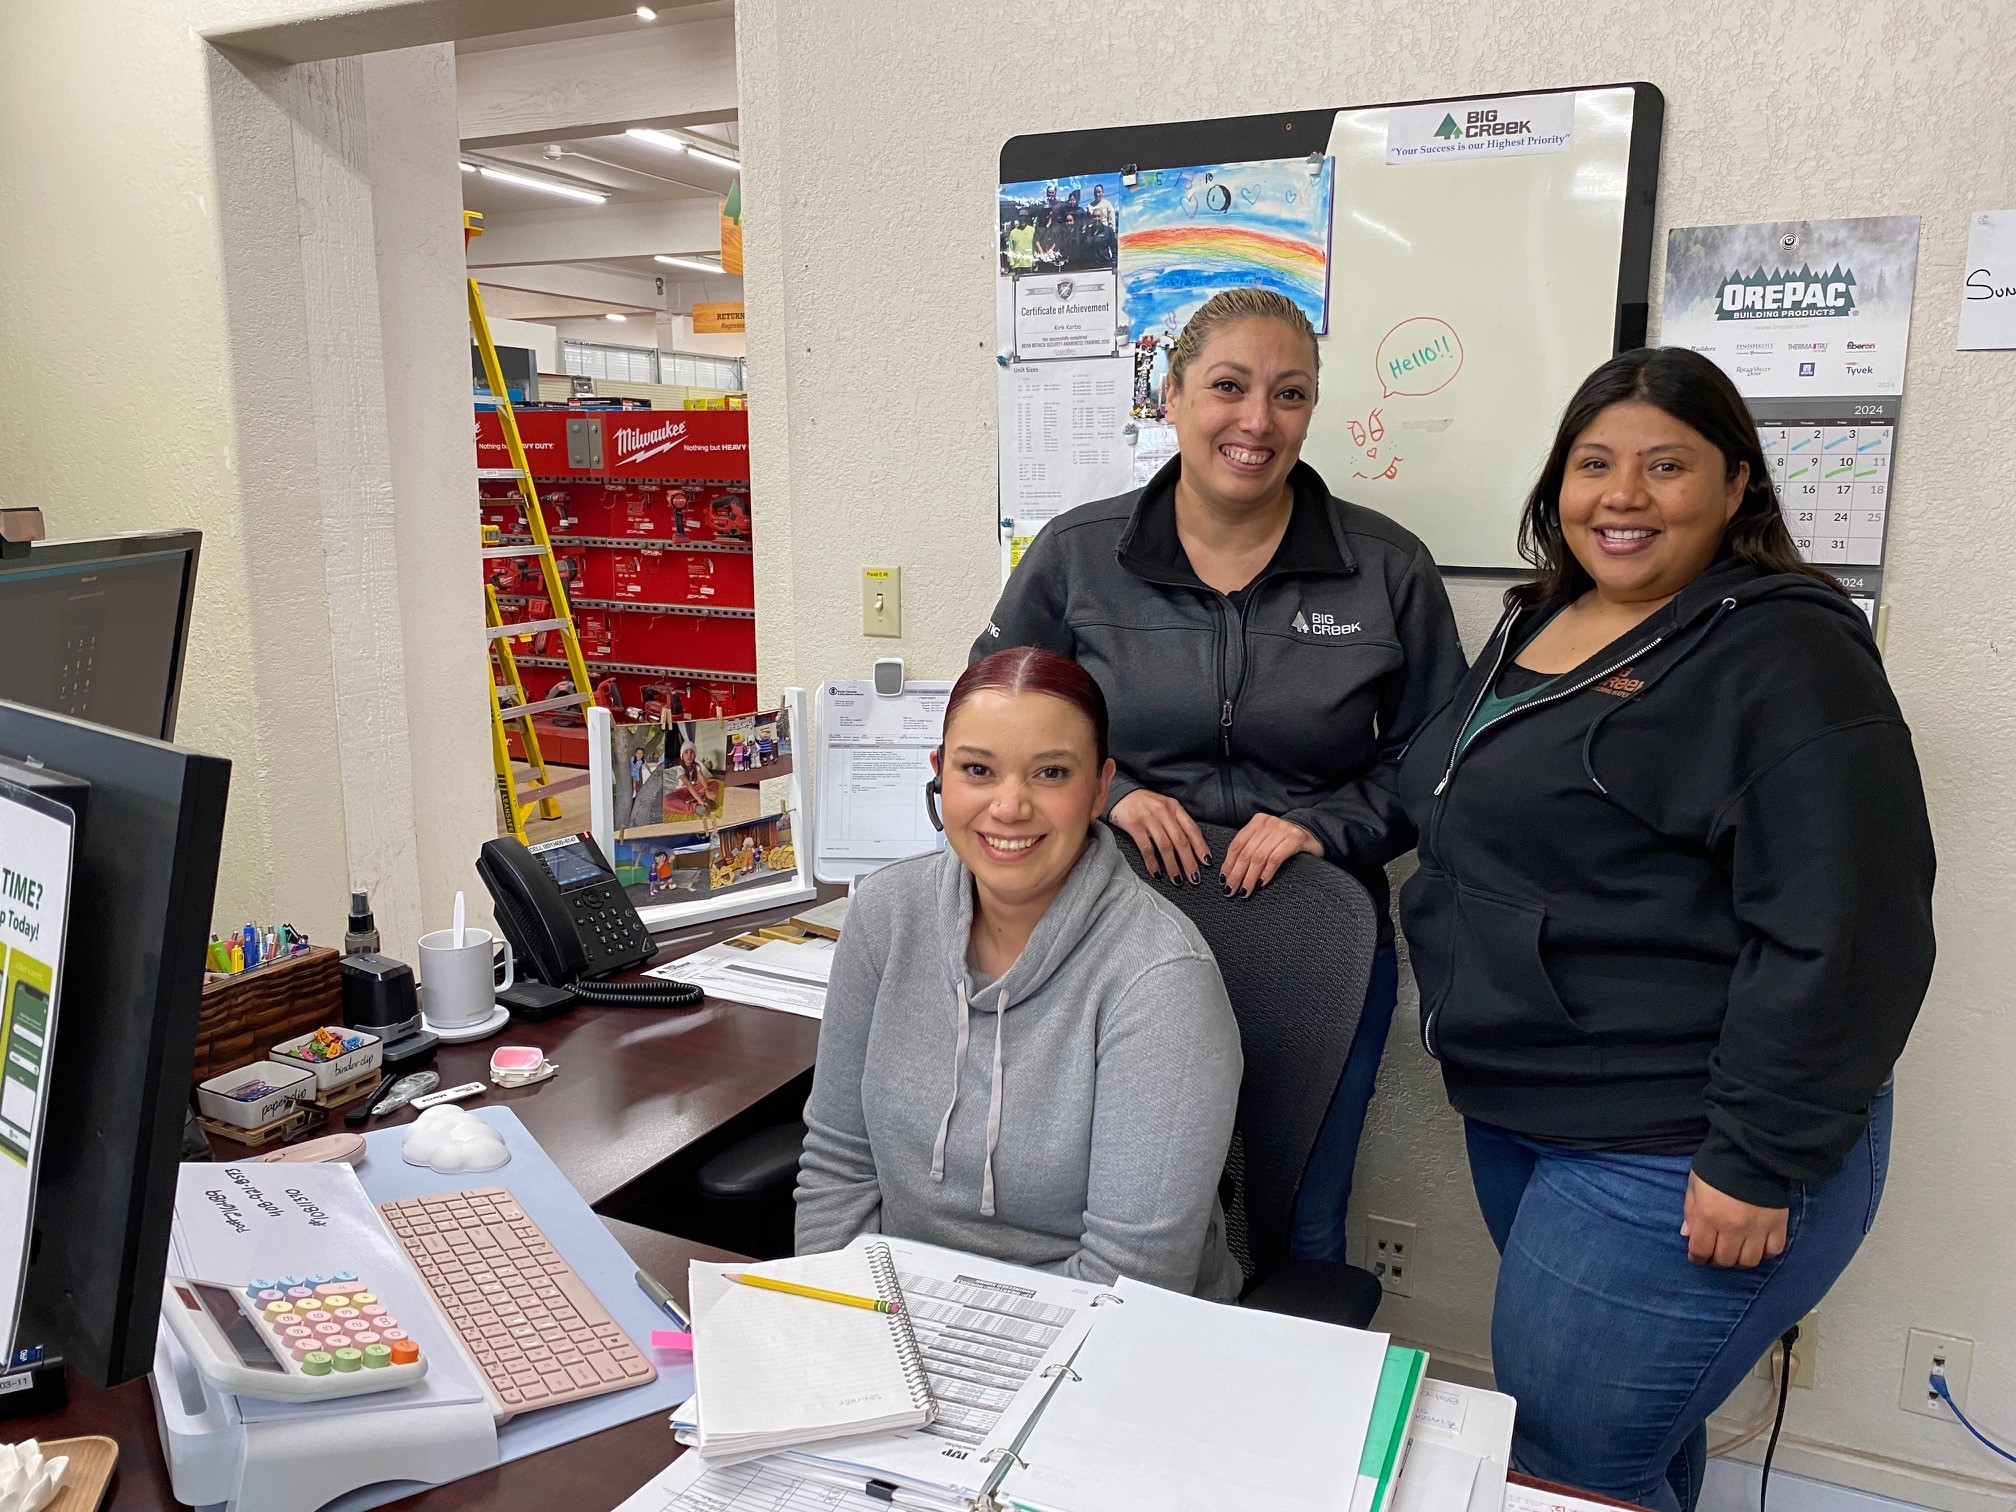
1299	706
1682	897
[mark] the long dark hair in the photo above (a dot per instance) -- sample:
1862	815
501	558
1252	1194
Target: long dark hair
1699	395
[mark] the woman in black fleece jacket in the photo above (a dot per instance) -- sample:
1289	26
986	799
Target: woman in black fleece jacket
1672	924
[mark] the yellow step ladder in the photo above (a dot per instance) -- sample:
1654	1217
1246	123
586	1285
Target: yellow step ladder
508	704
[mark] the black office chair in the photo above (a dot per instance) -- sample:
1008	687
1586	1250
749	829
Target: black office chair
1295	957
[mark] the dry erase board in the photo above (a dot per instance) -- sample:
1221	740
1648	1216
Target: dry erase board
1467	263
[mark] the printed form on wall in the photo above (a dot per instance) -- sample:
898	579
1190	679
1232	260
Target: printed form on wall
1811	320
1063	442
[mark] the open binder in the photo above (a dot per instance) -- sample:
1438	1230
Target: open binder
1280	1406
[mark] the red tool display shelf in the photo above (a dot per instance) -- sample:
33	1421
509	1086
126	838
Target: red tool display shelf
649	515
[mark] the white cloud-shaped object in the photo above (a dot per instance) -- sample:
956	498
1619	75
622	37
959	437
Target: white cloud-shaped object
449	1140
28	1482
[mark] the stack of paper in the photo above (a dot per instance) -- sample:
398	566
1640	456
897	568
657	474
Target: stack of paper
776	974
1459	1450
776	1369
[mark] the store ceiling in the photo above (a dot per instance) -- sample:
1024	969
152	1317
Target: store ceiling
625	169
569	258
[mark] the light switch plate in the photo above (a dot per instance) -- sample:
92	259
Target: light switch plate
882	601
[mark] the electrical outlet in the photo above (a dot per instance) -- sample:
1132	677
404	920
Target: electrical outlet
1805	1355
882	601
1955	1358
1390	1253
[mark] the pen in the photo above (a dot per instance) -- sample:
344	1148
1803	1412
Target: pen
657	1293
817	1293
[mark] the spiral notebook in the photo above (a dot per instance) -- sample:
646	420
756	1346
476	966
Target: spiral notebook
773	1370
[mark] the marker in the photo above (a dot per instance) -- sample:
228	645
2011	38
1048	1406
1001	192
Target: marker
237	957
655	1290
251	946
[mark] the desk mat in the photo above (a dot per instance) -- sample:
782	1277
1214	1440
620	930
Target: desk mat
597	1257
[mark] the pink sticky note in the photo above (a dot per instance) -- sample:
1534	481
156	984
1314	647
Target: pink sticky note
665	1338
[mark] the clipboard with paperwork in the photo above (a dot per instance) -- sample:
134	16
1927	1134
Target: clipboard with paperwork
874	757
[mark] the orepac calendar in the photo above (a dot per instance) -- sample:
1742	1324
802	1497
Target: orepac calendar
1811	319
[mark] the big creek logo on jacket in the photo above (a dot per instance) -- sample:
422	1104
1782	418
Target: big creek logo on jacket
1319	623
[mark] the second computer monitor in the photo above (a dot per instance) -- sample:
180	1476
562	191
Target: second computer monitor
97	629
144	879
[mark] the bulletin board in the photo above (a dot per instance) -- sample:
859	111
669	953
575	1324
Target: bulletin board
1466	263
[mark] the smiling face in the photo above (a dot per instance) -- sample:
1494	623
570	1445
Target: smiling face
1022	784
1644	502
1242	410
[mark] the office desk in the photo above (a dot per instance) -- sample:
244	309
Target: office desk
636	1088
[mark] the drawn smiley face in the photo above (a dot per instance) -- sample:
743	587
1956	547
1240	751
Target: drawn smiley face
1377	461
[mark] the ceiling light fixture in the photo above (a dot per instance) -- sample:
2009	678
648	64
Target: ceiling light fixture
468	167
527	182
612	315
687	262
645	13
714	158
655	138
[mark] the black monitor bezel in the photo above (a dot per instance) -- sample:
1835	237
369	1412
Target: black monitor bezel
105	550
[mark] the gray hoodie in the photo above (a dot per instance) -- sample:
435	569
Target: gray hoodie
1083	1133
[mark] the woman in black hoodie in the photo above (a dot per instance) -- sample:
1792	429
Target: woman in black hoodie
1672	924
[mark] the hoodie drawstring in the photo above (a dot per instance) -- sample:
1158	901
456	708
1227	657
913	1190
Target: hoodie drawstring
1589	737
993	1118
963	1018
962	1014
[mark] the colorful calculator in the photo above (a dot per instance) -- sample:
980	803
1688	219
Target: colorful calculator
297	1338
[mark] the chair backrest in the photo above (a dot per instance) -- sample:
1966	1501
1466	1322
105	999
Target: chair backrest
1296	957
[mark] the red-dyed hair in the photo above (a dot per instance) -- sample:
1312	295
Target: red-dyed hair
1031	669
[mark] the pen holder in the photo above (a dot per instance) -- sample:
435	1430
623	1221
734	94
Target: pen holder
243	1015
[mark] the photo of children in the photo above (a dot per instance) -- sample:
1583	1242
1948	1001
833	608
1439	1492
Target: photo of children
663	868
759	747
696	769
638	752
752	852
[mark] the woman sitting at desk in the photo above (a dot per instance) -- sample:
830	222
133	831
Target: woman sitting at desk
1089	1137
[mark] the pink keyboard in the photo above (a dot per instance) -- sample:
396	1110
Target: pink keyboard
534	1329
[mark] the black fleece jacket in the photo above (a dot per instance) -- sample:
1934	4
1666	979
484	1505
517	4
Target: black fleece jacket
1297	705
1683	897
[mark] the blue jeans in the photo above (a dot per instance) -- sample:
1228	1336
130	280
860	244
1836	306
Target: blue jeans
1326	1184
1616	1346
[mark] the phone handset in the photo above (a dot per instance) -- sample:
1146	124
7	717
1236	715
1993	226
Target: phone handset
567	916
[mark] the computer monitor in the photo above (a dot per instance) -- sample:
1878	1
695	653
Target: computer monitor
143	883
97	629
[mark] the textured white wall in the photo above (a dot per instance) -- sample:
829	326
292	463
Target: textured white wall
190	280
873	440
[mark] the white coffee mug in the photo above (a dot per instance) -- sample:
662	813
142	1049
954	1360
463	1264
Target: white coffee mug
458	988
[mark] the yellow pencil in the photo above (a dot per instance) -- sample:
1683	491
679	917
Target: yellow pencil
817	1293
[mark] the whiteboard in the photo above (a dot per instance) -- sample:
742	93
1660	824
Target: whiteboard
1497	281
1468	300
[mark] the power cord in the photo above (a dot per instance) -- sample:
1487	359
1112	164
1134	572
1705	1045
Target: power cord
1785	1342
1939	1390
1762	1424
